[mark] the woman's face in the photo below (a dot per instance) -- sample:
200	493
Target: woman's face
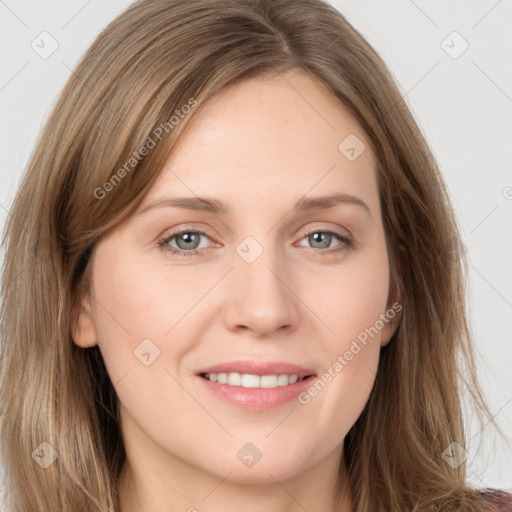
268	280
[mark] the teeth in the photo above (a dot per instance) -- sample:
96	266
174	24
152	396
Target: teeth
247	380
250	381
234	379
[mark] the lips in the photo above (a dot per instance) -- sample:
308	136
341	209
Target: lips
238	383
259	368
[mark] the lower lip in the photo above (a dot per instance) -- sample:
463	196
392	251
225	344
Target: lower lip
257	399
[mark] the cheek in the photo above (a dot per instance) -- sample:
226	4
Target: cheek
336	399
135	311
142	324
139	298
352	307
350	299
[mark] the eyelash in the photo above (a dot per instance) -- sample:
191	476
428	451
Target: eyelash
348	243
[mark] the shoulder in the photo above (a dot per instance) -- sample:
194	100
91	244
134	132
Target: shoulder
497	500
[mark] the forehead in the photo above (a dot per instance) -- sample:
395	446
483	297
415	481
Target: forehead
270	139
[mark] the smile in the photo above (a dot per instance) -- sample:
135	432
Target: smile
247	380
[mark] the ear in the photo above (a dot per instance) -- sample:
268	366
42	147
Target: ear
395	306
83	328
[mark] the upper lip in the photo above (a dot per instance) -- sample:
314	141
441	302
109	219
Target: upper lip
259	368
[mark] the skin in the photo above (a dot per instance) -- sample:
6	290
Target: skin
259	146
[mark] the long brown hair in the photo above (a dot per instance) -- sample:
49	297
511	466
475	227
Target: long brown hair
157	56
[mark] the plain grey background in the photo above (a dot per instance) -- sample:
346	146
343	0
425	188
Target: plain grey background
453	63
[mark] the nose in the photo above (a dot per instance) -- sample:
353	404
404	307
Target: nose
262	298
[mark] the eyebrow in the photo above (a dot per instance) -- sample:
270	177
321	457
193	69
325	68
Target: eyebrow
217	207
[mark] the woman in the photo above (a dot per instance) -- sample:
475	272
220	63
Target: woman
253	369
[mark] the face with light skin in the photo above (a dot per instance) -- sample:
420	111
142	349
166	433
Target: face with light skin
258	146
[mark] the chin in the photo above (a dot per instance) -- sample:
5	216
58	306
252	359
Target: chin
262	473
251	466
